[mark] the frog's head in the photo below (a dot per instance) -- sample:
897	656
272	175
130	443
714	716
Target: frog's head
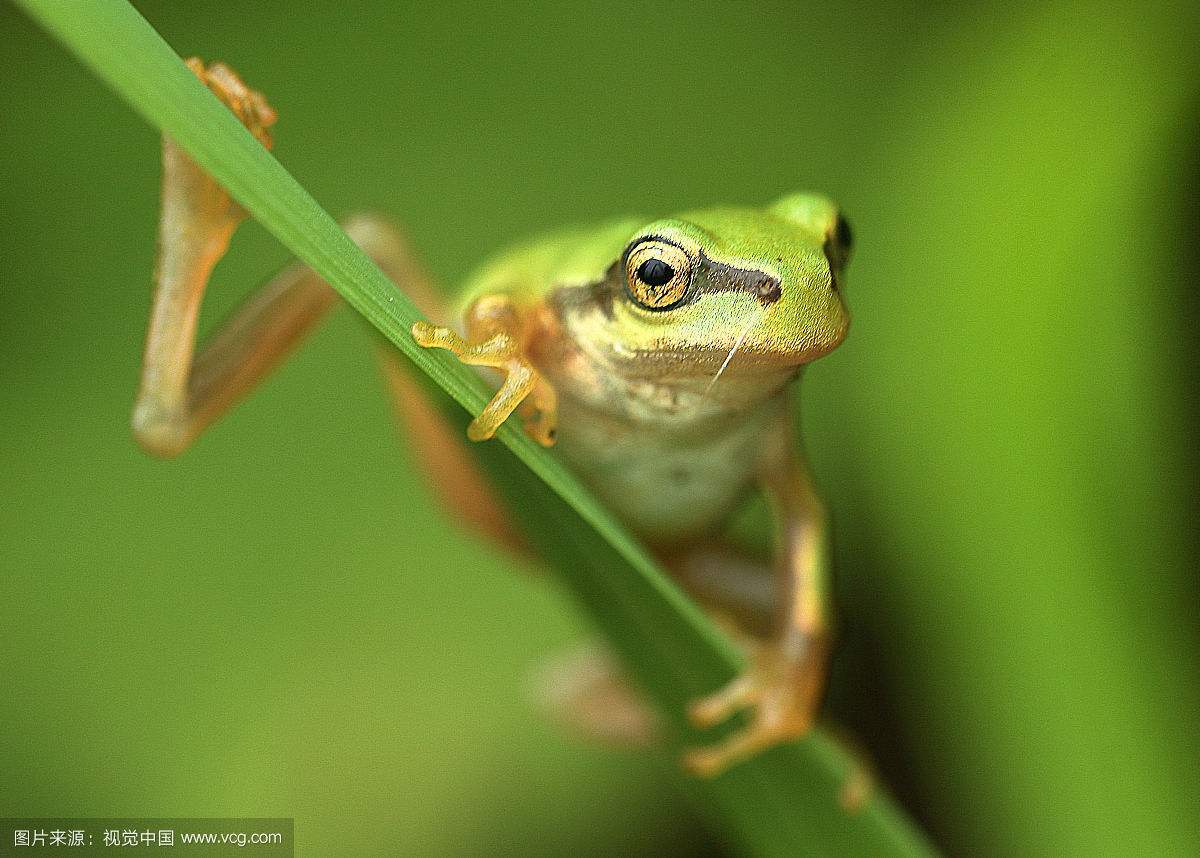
762	285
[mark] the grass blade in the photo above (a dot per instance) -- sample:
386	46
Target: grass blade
782	803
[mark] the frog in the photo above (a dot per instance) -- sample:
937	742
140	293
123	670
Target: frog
658	358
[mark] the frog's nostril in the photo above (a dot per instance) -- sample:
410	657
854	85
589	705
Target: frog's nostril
768	290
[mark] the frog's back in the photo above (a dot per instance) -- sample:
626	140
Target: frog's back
570	257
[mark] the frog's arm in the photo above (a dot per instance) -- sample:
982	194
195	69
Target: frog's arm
499	330
786	677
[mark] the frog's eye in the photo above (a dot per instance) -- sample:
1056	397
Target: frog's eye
839	241
658	274
843	234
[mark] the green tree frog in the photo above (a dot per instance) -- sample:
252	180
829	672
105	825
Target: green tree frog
655	356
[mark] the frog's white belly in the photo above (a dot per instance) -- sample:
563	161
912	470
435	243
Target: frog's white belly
668	479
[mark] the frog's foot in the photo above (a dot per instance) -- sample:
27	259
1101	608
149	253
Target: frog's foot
248	105
522	383
585	691
782	689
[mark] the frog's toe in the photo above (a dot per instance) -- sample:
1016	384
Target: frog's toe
769	726
713	760
481	428
432	337
248	105
782	690
709	711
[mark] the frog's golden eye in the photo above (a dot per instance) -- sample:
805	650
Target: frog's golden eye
658	274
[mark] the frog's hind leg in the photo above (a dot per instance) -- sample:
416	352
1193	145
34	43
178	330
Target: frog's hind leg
182	392
442	455
586	690
437	446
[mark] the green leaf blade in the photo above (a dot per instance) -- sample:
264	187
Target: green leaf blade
782	803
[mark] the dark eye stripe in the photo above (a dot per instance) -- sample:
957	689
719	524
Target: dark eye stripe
720	277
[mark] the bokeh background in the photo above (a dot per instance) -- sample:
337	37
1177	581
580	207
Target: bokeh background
282	623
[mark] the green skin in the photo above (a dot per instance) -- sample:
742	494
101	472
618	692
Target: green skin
643	417
661	351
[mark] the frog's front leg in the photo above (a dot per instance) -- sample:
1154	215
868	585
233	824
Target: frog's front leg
786	677
497	331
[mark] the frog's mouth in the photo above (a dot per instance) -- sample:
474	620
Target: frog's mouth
737	344
749	356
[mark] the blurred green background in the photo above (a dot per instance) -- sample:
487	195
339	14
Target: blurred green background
281	623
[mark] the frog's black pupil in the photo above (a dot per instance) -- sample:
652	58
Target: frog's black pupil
655	272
